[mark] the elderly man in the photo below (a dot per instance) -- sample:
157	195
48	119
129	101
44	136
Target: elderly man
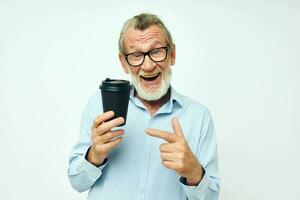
166	150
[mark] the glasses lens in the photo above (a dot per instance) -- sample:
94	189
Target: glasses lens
135	58
158	54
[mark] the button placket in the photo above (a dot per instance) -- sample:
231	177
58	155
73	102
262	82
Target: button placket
143	179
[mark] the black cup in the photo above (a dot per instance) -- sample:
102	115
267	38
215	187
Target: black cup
115	97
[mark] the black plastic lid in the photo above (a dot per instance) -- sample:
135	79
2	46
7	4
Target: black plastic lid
115	85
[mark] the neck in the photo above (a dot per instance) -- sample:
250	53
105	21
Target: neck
154	106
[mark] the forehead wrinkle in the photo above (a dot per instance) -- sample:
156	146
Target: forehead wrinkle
143	38
132	46
136	37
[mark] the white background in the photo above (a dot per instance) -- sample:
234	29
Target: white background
241	59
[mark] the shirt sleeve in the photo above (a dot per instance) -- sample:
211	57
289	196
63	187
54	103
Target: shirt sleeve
81	173
209	186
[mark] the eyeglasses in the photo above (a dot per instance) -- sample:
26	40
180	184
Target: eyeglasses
156	55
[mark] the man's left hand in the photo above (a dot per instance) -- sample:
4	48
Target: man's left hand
177	155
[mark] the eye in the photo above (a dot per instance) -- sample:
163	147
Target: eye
136	55
155	51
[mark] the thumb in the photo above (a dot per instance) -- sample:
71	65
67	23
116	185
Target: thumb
176	127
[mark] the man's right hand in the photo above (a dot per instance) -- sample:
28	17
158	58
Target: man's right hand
103	138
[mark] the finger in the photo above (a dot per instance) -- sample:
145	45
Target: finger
110	145
107	126
176	127
170	164
167	156
102	118
107	137
168	147
169	137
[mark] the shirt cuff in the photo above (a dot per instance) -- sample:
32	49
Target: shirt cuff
91	170
195	191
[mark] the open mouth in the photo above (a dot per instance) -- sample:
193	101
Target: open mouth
151	77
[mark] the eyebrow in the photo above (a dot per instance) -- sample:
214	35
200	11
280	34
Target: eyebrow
152	46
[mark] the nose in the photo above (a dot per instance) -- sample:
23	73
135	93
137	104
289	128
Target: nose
148	64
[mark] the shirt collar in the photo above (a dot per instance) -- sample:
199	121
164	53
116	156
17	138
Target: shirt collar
174	98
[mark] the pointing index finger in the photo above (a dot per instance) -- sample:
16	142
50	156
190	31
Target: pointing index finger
169	137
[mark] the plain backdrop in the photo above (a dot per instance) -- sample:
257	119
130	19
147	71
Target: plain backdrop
239	58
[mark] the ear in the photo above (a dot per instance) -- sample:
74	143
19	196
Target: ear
123	63
173	54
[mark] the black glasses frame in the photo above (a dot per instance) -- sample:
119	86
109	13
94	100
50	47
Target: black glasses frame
147	54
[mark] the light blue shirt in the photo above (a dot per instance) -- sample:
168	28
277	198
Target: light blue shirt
134	170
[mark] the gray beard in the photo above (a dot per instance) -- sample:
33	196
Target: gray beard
154	94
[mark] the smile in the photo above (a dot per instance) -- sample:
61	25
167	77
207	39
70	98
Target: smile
151	77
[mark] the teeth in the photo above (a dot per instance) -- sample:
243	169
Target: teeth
150	76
